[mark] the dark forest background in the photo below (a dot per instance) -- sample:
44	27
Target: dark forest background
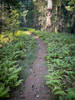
32	13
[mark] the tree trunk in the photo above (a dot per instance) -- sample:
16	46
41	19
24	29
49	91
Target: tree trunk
48	15
49	6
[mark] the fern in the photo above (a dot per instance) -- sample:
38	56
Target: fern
57	89
4	91
60	98
61	63
60	93
70	94
18	82
10	55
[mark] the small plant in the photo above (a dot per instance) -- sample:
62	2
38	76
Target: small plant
8	77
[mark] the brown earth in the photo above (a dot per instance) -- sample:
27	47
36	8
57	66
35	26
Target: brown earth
35	88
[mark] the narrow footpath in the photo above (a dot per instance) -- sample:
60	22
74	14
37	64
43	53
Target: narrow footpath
35	88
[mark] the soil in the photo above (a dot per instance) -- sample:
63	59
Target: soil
35	88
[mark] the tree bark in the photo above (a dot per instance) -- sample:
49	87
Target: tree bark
48	15
49	6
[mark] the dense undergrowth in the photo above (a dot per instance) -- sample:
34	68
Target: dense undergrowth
61	64
15	52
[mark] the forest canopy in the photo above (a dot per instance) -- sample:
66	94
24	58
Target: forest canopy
32	13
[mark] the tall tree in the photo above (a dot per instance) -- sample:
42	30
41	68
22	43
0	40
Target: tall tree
48	15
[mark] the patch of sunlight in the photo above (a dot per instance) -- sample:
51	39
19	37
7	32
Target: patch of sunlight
31	29
18	33
5	38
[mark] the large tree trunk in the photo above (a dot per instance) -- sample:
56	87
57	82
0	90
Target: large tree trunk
48	15
49	6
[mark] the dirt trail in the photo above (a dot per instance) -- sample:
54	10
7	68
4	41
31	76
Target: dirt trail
35	88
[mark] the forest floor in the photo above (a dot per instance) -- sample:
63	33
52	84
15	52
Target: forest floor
35	88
